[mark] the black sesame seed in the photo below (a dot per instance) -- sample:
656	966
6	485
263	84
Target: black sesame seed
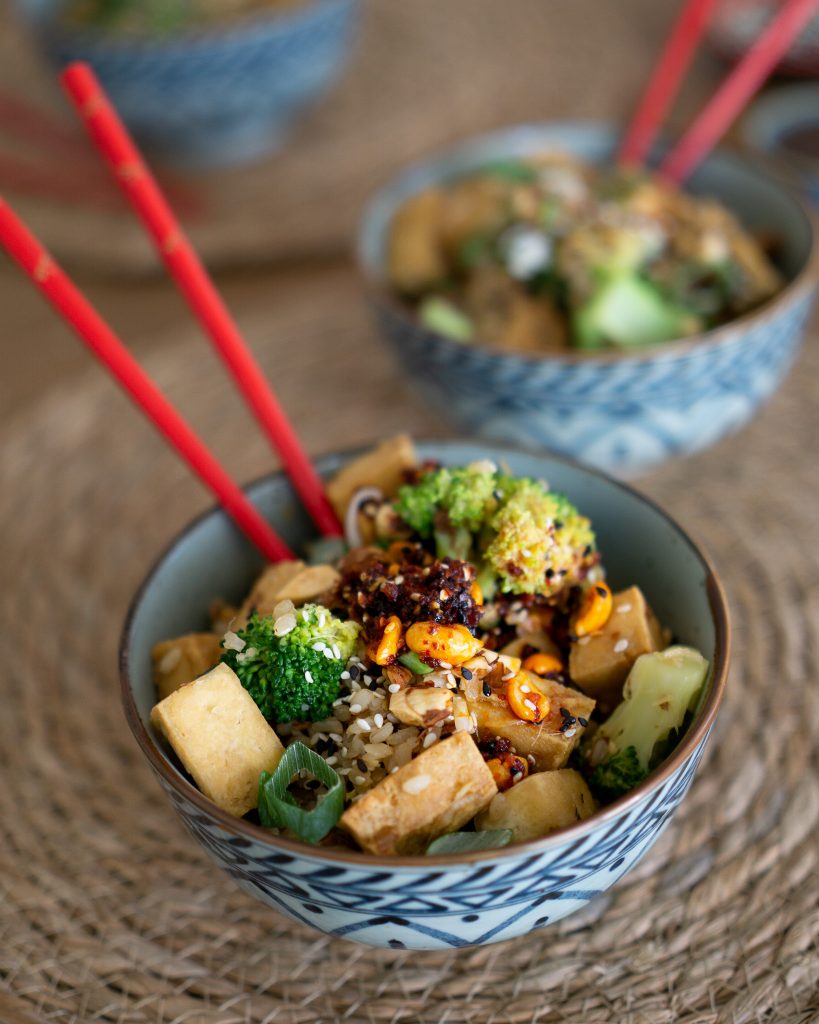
549	573
559	524
587	550
362	764
355	672
583	721
565	712
601	591
466	673
373	685
487	690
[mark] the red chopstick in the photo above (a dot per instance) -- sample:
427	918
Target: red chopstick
116	146
66	298
665	80
737	89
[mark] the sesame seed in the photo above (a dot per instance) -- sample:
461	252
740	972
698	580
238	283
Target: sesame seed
621	646
429	739
417	784
355	708
466	673
336	651
308	676
393	687
568	733
328	654
583	721
601	591
487	690
623	608
367	679
525	689
364	725
355	671
318	645
530	704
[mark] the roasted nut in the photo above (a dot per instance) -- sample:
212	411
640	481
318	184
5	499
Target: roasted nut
541	664
525	700
389	642
507	769
595	610
451	644
421	705
398	675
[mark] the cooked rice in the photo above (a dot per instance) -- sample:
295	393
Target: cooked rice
361	740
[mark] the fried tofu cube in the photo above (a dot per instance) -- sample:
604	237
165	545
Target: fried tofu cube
180	661
221	737
540	804
383	467
286	581
440	790
548	741
415	257
599	663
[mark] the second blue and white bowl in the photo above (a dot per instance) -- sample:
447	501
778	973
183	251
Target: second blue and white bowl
621	411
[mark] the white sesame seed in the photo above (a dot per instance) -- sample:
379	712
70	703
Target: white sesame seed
345	674
417	784
569	733
621	646
328	654
355	708
318	645
364	725
398	580
305	615
336	651
531	705
308	676
393	687
509	675
429	739
378	720
367	679
445	664
624	607
526	552
525	689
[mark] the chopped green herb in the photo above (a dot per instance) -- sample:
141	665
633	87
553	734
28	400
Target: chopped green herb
469	842
278	807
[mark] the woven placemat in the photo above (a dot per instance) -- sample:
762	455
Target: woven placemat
423	74
110	912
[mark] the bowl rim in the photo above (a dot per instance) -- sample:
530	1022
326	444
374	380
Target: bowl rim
238	28
376	286
239	827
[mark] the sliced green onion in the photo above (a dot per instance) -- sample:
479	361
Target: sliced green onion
468	842
278	807
414	663
443	316
511	170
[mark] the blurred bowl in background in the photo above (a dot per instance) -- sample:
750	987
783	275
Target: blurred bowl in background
623	411
738	23
217	96
783	126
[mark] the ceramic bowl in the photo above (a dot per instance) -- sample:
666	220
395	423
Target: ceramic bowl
434	901
216	97
621	411
771	119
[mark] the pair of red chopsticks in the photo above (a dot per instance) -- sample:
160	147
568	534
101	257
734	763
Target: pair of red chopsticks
737	88
116	146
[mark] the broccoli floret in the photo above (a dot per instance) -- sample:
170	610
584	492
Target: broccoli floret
294	676
540	542
660	690
627	310
532	540
465	495
616	775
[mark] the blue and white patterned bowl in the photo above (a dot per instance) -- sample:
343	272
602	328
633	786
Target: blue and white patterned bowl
623	412
218	97
452	900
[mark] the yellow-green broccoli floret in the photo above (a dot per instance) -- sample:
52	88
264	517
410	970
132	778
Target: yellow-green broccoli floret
292	666
541	542
466	495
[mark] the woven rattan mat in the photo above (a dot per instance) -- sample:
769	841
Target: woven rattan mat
109	910
424	73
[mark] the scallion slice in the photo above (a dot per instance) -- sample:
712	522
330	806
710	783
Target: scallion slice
411	661
469	842
278	807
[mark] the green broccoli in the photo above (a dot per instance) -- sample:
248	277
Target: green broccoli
660	691
291	666
521	535
540	542
627	310
616	775
466	495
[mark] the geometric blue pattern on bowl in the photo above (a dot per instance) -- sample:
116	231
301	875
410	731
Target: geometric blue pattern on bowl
220	96
427	908
623	412
451	900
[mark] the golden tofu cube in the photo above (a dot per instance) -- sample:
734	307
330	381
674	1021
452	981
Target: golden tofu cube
221	737
383	467
440	790
415	258
183	659
540	804
599	663
549	742
285	581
